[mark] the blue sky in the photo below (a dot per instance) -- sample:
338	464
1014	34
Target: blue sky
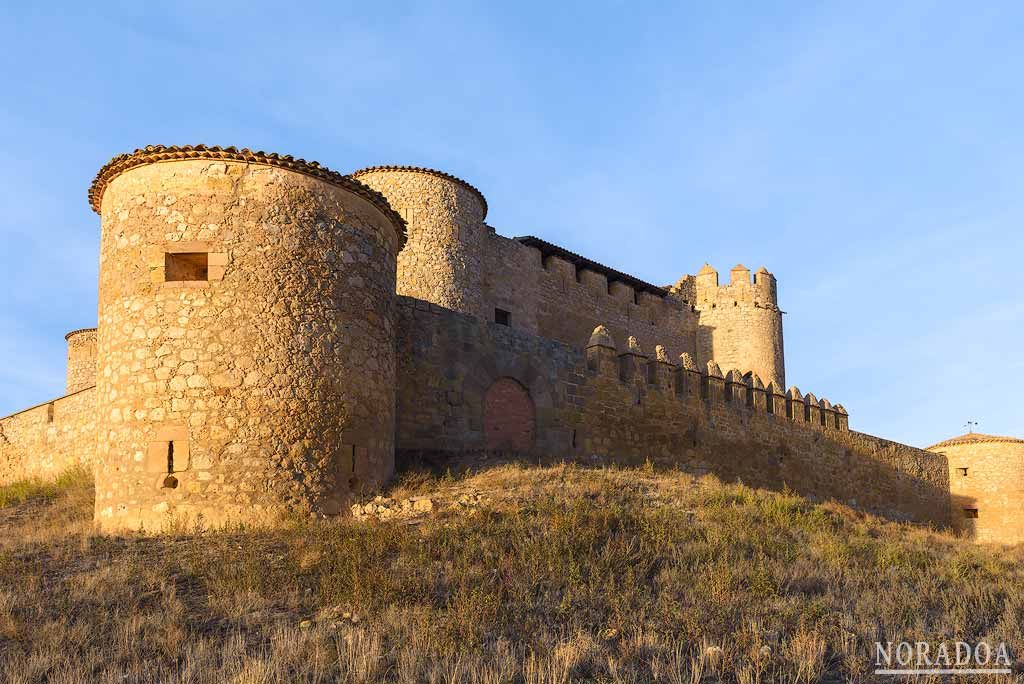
870	154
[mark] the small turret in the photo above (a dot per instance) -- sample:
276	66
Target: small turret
631	360
715	384
81	369
601	351
707	281
443	259
739	274
795	406
765	287
740	324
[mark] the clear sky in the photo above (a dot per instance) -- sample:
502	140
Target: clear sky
871	155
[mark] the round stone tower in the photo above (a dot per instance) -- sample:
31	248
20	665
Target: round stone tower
442	262
740	325
986	485
81	359
246	363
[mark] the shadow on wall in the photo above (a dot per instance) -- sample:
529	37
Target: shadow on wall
966	515
466	388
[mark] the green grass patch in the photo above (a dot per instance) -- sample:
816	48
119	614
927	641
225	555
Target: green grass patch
37	489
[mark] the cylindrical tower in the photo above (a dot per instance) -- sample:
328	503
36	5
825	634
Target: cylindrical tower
986	485
740	323
246	362
81	359
442	262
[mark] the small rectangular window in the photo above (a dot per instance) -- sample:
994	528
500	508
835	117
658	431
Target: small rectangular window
962	471
970	512
502	317
186	266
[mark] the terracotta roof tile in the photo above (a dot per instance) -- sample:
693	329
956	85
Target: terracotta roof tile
430	172
975	438
152	154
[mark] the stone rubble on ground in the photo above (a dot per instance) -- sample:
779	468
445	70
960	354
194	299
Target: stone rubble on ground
385	508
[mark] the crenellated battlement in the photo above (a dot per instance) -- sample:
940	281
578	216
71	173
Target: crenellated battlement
704	290
601	279
741	392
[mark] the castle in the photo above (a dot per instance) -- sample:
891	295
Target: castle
273	335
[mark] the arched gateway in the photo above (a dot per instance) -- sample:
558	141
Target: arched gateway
509	416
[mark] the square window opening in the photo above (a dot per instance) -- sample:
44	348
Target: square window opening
970	512
502	317
186	266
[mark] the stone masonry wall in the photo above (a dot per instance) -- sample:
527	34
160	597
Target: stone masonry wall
45	440
446	364
602	406
264	388
453	259
442	260
550	297
988	479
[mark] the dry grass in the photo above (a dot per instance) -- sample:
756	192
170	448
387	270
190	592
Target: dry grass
561	574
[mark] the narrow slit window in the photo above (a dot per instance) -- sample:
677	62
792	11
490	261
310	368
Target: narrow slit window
186	266
970	512
502	317
170	481
962	471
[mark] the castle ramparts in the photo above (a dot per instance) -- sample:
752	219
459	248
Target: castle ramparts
272	335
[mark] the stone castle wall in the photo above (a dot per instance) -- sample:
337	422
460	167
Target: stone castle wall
572	302
81	366
605	406
454	260
739	324
252	357
264	383
986	481
45	440
552	297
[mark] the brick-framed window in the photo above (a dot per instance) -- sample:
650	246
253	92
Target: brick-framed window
186	266
191	263
168	454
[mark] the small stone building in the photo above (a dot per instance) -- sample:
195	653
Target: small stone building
986	482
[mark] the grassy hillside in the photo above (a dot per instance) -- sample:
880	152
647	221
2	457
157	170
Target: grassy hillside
513	574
